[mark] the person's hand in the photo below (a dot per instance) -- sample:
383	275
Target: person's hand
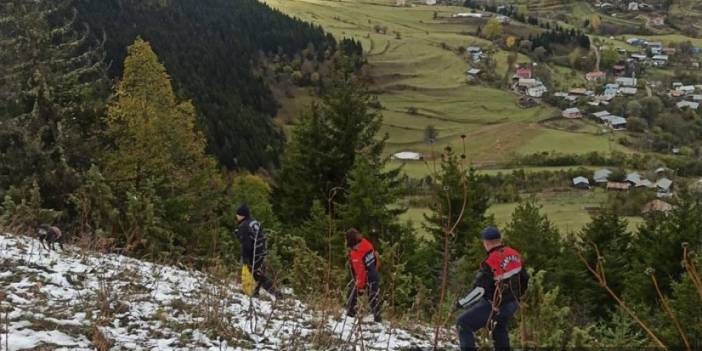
360	291
457	306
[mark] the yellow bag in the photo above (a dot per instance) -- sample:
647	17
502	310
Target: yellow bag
248	283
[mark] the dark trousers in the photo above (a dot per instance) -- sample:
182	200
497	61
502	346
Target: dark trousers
478	316
373	291
262	281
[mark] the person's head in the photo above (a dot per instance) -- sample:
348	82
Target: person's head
491	237
243	212
353	237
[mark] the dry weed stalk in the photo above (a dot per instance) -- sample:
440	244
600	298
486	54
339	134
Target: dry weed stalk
449	231
598	270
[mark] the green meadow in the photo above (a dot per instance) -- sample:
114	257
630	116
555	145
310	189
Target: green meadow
419	77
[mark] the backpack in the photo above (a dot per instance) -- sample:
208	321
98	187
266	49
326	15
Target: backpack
522	283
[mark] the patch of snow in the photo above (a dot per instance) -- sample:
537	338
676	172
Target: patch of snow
55	298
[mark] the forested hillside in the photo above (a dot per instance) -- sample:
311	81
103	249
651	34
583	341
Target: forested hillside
211	48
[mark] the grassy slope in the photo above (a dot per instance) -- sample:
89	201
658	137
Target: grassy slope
566	210
414	71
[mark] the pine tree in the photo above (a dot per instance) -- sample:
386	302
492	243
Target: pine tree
53	79
455	185
609	233
323	150
454	188
371	201
658	245
157	160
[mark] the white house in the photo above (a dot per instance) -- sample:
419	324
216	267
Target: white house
571	113
537	91
602	175
687	89
660	60
628	91
616	122
639	57
688	104
626	81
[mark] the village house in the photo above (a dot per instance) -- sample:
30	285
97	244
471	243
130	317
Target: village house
669	51
572	113
628	91
687	104
523	73
655	47
618	186
611	89
635	41
600	115
581	183
476	53
595	75
633	178
639	57
657	21
664	184
626	81
601	176
660	60
619	70
616	122
503	19
686	89
656	206
537	91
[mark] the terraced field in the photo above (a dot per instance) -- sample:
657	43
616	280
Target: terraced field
417	68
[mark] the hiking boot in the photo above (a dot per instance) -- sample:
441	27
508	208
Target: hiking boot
378	319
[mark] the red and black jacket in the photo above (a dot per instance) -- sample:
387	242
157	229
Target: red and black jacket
364	263
502	271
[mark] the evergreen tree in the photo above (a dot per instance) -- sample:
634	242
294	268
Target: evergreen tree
454	187
658	245
608	232
53	79
371	201
156	162
323	150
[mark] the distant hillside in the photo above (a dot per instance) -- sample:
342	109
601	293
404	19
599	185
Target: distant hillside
211	48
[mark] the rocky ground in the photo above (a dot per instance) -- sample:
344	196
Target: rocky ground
69	300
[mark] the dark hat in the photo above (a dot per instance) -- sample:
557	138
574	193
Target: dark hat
490	233
243	210
352	237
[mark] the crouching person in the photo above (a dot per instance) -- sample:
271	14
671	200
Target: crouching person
494	298
364	267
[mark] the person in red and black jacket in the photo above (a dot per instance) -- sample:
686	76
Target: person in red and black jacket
494	298
364	268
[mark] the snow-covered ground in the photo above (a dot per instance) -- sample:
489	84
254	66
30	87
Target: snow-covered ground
70	301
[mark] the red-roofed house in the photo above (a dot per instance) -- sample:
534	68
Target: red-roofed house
523	73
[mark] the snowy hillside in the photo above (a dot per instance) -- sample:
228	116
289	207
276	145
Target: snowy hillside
66	301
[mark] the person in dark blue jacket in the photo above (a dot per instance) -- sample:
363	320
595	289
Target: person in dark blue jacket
253	249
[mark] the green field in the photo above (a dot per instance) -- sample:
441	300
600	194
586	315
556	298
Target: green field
569	211
416	66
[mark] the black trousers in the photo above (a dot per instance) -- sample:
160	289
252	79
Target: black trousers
373	291
262	281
